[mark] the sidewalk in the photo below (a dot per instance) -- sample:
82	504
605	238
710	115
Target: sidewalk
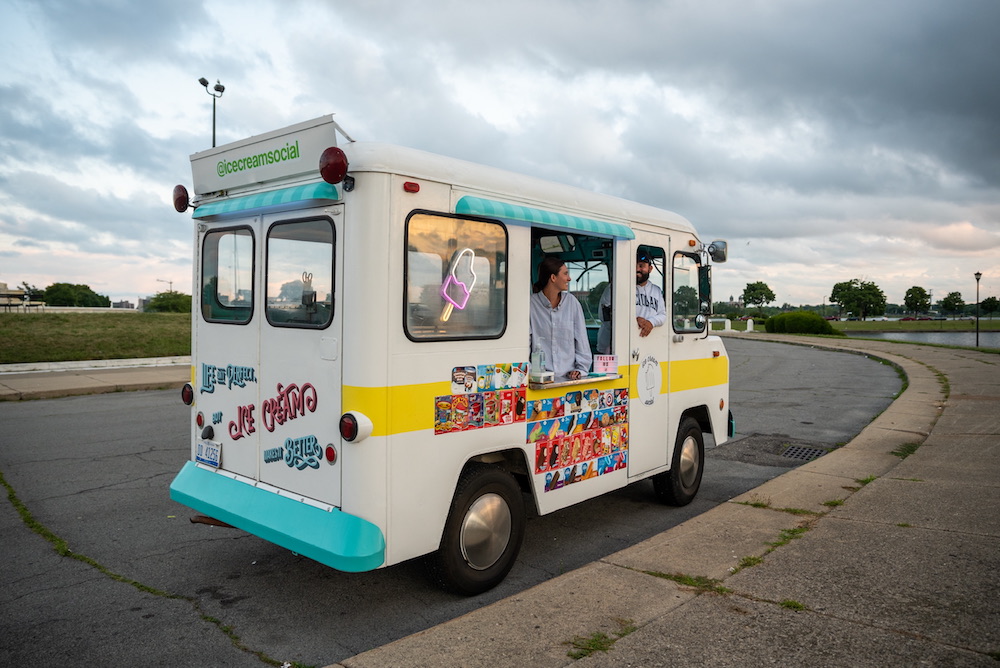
861	557
47	380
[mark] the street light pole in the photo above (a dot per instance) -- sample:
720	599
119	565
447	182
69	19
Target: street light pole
979	275
219	89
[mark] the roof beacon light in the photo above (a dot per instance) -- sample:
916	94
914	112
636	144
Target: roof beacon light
333	165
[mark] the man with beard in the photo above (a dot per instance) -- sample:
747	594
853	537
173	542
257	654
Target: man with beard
650	309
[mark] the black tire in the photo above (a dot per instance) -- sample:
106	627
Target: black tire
680	484
483	533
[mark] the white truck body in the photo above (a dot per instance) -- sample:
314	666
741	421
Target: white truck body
398	297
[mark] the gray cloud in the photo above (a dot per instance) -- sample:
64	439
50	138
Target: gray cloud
798	127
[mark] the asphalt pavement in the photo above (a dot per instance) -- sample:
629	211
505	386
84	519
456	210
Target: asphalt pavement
886	551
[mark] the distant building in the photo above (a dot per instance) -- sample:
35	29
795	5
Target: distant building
735	303
123	304
10	299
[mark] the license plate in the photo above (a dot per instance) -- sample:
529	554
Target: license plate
209	452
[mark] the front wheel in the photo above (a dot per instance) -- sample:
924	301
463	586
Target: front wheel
483	533
680	484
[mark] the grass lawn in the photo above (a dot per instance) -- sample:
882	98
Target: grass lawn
65	337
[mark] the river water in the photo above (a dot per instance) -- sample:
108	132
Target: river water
986	339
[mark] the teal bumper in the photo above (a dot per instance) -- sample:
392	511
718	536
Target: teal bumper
333	538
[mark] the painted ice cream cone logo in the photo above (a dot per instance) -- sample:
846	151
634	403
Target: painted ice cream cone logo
650	380
457	288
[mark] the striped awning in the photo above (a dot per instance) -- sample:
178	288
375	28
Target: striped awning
285	196
518	214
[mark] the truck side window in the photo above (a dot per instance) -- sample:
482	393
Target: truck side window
455	278
227	276
686	298
299	286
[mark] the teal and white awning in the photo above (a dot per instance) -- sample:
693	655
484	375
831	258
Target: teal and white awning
517	214
283	197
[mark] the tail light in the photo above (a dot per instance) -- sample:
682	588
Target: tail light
355	427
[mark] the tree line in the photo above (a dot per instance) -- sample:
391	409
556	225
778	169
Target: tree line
69	294
865	299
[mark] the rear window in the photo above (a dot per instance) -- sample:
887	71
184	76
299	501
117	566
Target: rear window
227	276
299	285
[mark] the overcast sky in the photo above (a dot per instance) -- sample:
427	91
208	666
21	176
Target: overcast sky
825	141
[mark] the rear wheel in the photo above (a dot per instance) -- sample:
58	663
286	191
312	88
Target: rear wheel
680	484
483	533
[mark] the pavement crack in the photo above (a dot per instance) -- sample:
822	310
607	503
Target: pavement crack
61	547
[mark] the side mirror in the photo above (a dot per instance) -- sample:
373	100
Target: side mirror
717	250
705	288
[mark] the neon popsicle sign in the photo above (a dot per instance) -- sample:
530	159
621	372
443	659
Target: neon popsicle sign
457	286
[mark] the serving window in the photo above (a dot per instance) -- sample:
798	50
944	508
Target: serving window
455	278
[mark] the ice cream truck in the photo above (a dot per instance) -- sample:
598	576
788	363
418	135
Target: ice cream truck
361	384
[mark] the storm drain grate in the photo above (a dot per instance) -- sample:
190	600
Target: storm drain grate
800	452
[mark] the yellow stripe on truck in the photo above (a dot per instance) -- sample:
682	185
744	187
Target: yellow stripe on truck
415	405
684	375
695	374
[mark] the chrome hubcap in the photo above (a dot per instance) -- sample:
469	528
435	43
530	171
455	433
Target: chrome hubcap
689	461
485	531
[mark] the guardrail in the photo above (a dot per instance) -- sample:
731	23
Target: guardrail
42	307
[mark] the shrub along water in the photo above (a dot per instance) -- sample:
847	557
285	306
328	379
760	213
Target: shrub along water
799	322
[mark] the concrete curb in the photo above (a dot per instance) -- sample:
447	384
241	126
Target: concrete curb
31	367
166	373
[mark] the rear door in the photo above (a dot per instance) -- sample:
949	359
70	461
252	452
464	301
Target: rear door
226	345
301	354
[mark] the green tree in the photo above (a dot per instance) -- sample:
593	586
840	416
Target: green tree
917	300
953	303
685	301
68	294
861	298
169	302
757	294
291	291
989	305
592	304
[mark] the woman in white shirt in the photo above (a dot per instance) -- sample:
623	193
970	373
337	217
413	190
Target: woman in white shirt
557	324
